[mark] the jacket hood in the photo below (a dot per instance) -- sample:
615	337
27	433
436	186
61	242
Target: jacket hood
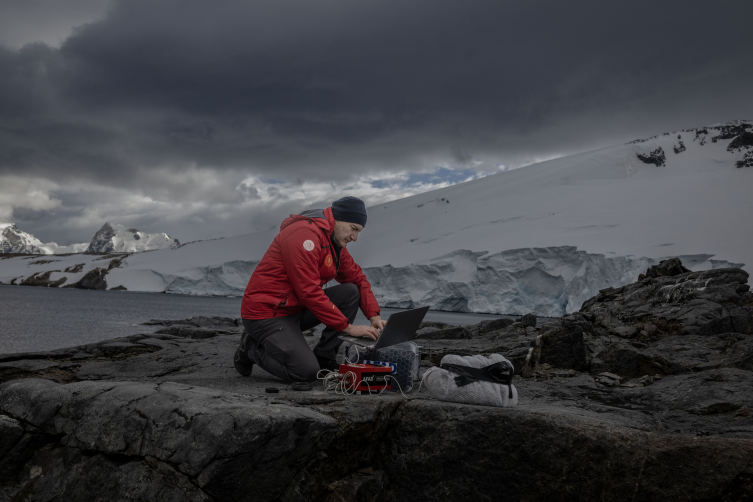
321	217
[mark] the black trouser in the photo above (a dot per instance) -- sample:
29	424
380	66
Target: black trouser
278	346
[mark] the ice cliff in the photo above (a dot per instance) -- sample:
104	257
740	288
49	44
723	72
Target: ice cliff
548	281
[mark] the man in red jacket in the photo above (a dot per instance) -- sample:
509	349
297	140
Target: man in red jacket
285	297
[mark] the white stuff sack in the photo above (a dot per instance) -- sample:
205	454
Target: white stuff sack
441	383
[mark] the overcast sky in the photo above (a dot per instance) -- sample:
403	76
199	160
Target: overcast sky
205	119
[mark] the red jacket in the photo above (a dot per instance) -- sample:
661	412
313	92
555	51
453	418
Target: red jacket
301	260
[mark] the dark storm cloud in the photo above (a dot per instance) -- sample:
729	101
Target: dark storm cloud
308	86
157	96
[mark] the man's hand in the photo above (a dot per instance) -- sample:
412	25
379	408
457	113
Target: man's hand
362	331
378	323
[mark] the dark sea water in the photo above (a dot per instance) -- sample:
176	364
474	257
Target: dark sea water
36	319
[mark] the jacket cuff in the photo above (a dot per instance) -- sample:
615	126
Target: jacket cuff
341	326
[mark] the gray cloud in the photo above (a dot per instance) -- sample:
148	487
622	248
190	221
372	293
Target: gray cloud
157	98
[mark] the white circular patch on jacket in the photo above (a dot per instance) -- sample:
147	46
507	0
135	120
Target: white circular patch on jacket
308	245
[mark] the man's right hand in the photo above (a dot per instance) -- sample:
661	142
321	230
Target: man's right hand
362	331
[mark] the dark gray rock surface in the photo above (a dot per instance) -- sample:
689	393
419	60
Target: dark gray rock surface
645	394
102	240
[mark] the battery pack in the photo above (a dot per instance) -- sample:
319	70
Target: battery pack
365	377
404	358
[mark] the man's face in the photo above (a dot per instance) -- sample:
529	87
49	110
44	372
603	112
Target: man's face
346	232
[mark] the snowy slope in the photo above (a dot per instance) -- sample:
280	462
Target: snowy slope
120	239
606	201
541	238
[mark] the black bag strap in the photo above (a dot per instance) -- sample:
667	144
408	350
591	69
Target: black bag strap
501	373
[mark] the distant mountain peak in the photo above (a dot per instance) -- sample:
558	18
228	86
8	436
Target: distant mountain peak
15	240
121	239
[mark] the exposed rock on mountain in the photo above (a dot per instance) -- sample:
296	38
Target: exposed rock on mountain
119	239
645	394
680	147
656	157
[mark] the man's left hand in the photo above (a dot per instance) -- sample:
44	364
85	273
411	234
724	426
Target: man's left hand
377	322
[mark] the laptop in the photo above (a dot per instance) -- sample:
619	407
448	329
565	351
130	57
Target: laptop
401	327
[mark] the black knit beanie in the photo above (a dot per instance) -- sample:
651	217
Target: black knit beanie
350	209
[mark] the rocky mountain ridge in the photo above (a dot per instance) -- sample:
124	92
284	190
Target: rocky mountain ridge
111	238
15	240
740	132
116	238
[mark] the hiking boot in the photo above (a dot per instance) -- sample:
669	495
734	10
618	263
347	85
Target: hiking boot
243	364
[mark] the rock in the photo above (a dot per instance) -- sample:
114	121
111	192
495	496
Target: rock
641	382
190	332
361	486
203	321
189	428
70	474
528	320
610	375
687	304
456	333
564	348
656	157
495	325
436	325
119	288
659	467
667	268
94	279
43	279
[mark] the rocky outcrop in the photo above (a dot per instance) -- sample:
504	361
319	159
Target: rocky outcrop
644	394
93	279
665	268
655	157
43	279
102	240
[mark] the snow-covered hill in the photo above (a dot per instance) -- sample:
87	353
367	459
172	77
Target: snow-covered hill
541	238
120	239
15	240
